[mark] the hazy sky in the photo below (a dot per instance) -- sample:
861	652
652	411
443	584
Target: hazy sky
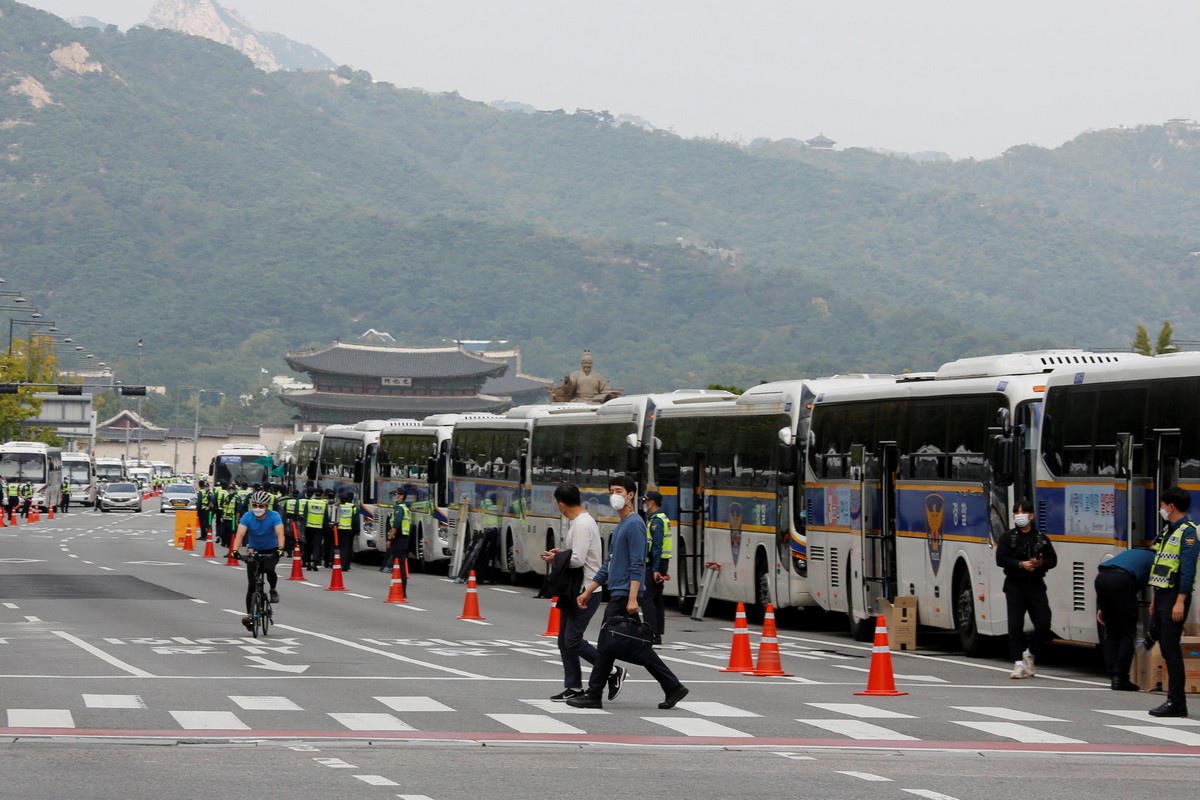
966	78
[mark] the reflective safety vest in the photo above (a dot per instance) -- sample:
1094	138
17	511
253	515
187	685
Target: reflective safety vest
14	489
402	520
27	490
667	540
1164	574
315	515
345	516
229	504
66	487
289	506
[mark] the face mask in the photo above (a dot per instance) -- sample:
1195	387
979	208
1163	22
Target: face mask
1021	520
1166	515
617	501
260	512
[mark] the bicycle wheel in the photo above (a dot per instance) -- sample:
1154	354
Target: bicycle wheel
255	612
264	621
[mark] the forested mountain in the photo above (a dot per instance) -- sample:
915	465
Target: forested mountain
155	185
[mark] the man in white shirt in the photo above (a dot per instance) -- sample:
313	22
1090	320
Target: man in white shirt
583	540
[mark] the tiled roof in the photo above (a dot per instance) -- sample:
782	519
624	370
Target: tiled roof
401	362
391	405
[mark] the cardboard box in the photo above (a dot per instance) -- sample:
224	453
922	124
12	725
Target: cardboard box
901	619
1147	668
1155	670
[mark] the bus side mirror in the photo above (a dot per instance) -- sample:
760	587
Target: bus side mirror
633	461
358	470
1125	456
1001	459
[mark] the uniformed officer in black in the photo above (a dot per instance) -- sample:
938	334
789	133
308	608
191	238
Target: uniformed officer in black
1025	555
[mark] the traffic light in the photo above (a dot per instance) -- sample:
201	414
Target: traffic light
70	388
137	391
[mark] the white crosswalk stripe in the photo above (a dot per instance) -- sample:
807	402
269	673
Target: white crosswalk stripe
859	730
40	718
1190	738
551	707
404	704
1020	733
265	703
535	723
113	701
1143	716
696	727
1007	714
371	722
861	710
716	710
209	721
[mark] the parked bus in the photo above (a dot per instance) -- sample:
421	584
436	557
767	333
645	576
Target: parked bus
345	464
910	484
37	464
242	463
109	470
80	472
300	469
1114	436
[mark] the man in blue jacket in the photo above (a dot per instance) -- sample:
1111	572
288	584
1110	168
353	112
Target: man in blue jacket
1119	582
624	573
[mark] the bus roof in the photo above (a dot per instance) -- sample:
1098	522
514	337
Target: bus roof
1137	367
1031	363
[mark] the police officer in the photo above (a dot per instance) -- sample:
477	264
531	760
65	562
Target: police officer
1025	555
203	514
1119	582
64	500
658	561
1173	577
26	498
345	517
315	522
399	538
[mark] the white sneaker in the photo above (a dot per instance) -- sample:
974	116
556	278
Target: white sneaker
1019	671
1027	660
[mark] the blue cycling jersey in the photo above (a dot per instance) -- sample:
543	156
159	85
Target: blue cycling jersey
260	533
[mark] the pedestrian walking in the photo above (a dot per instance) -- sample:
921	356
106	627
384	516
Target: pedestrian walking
1025	555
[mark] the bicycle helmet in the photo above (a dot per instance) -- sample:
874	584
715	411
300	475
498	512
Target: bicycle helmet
260	499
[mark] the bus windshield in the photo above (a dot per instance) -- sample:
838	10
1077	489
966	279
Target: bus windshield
109	472
23	466
77	472
243	469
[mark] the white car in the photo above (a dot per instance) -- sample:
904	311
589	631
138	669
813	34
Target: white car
177	497
120	495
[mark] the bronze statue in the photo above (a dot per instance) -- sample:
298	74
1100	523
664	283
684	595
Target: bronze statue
584	385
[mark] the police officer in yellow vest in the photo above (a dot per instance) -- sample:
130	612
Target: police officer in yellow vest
315	521
345	516
399	537
659	545
1173	577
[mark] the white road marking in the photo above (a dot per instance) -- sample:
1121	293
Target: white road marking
866	776
1142	716
98	653
796	757
860	710
403	704
34	619
407	606
371	722
696	727
929	794
209	721
40	718
11	605
858	730
716	710
198	600
264	703
1158	732
534	723
334	763
109	569
414	797
475	621
1020	733
363	596
394	656
1009	714
551	707
376	780
925	678
113	701
505	591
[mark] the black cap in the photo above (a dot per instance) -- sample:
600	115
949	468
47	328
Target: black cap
654	497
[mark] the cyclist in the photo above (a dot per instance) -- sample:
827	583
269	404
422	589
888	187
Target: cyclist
262	530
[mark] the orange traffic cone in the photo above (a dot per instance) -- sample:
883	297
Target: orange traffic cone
230	561
34	516
740	657
208	546
50	512
552	623
12	520
297	565
768	649
396	593
2	516
880	681
188	542
471	601
335	580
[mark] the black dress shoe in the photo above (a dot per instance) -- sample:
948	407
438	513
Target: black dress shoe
673	697
1169	709
1124	685
585	700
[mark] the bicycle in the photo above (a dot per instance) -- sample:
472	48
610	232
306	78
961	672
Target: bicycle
261	613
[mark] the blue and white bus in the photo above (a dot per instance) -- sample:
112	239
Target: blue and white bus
36	464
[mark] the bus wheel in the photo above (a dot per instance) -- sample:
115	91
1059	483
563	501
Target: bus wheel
762	591
969	637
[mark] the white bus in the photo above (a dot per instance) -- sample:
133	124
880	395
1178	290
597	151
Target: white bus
1114	436
346	463
241	463
37	464
300	467
80	473
109	470
910	483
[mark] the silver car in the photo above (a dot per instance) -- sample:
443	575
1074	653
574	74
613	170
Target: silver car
177	497
120	495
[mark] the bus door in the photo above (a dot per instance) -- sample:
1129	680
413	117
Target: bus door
877	525
687	563
1165	447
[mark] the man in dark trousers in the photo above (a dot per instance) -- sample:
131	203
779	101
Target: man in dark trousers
658	561
1025	555
1173	577
399	538
1119	582
624	574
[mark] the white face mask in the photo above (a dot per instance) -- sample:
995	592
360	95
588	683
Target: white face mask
1021	520
260	512
617	501
1165	514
